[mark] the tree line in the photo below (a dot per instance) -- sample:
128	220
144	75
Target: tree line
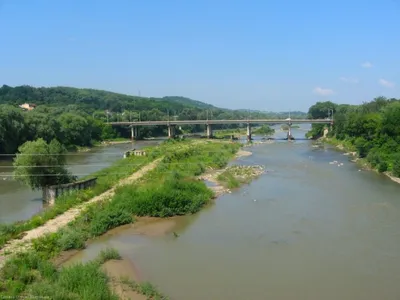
78	117
372	129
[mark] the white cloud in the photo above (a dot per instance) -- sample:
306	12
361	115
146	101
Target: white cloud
386	83
366	64
349	80
322	92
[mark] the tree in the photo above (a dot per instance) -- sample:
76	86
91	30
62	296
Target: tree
40	164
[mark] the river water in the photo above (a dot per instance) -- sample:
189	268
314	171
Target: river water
305	230
19	202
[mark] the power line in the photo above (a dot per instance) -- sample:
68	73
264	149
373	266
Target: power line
83	153
89	165
100	175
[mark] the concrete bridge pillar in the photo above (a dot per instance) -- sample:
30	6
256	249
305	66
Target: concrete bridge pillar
289	134
209	131
134	133
171	131
249	132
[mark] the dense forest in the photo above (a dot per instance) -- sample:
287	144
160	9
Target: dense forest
78	117
372	129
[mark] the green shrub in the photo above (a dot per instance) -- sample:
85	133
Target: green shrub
71	238
108	254
383	167
111	217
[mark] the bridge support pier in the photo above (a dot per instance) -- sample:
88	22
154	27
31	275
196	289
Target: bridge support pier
289	134
249	132
134	133
209	131
171	131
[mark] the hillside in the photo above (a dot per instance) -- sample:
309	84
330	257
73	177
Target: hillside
78	117
91	99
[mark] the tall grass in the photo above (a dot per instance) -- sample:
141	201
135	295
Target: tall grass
106	179
31	275
170	189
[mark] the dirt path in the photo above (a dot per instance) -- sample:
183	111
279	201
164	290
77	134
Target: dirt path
62	220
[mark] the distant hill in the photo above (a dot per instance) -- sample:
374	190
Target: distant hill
91	100
186	101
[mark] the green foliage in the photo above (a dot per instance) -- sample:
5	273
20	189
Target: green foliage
166	191
108	254
396	165
78	117
106	178
40	164
235	176
264	130
145	288
31	273
371	128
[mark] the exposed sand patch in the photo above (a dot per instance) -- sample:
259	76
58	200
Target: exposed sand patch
395	179
116	269
243	153
62	220
150	226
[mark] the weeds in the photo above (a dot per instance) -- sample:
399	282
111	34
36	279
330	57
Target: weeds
168	190
144	288
235	176
31	274
107	178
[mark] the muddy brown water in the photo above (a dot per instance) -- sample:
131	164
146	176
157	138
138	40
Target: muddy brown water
305	230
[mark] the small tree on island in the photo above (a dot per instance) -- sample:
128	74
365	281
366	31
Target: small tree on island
40	164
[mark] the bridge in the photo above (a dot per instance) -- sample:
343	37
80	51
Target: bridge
208	123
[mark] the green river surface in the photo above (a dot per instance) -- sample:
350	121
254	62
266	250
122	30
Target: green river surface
306	229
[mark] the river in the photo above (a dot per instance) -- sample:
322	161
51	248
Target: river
19	202
305	230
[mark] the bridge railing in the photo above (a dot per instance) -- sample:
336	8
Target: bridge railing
211	122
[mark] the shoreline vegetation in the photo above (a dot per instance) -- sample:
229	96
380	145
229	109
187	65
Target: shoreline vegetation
368	131
78	118
163	184
349	150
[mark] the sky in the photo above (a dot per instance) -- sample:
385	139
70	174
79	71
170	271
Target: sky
252	54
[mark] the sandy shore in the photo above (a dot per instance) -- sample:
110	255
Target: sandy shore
115	269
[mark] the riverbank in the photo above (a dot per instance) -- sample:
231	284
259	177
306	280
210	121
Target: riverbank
349	150
164	191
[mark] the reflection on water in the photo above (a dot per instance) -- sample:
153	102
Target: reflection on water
306	230
18	202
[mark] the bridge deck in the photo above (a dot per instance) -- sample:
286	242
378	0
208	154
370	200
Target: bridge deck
213	122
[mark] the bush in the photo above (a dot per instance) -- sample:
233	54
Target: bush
396	167
71	238
383	167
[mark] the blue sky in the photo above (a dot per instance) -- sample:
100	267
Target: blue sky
268	55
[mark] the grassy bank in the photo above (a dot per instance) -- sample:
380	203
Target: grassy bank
106	178
237	132
39	278
170	189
